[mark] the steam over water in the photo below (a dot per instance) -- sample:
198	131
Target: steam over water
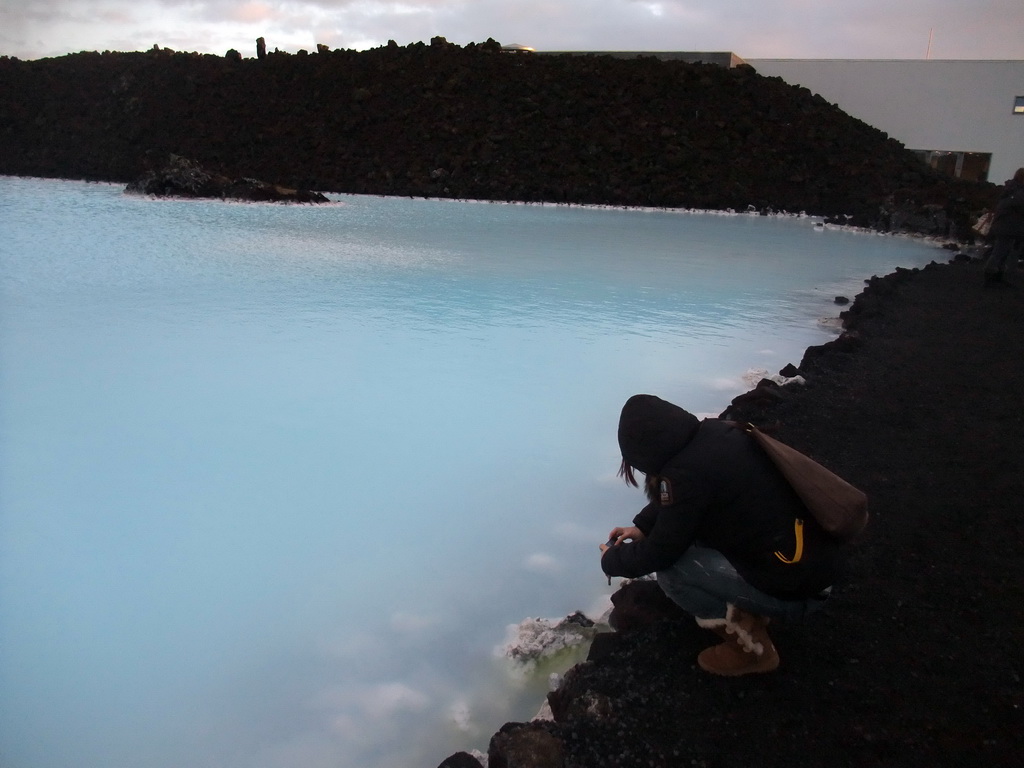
275	480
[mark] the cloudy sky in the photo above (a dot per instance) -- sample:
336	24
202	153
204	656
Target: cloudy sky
939	29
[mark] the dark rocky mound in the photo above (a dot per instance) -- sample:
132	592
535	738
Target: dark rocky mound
181	177
916	661
473	122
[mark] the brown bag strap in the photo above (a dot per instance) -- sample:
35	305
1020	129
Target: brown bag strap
839	507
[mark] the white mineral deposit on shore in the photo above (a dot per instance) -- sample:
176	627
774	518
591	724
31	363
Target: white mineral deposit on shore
533	640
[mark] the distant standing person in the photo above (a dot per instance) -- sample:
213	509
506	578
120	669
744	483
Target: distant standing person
729	539
1007	232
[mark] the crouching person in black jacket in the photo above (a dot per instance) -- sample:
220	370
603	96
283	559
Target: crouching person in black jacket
727	536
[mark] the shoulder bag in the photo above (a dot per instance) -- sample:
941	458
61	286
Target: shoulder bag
838	507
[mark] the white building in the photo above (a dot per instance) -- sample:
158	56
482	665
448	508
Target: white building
966	117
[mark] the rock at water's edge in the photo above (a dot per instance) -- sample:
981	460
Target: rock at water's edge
181	177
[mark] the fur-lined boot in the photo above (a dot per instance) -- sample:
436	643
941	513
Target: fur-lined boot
747	647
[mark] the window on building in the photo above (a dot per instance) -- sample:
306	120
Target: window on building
1018	105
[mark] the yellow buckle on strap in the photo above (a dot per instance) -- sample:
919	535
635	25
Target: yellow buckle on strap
798	534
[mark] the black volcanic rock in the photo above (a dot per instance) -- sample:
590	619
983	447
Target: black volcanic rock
181	177
442	120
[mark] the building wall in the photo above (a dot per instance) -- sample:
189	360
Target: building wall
956	106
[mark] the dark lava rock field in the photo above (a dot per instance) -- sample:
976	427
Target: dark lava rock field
472	122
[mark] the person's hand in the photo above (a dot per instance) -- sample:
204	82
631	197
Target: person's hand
619	535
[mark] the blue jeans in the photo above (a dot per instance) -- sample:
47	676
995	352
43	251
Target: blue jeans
703	583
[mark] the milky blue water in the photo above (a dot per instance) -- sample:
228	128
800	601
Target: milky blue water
274	481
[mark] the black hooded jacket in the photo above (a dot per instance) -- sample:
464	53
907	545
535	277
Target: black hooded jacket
711	484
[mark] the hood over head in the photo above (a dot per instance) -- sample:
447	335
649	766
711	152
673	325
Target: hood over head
652	431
